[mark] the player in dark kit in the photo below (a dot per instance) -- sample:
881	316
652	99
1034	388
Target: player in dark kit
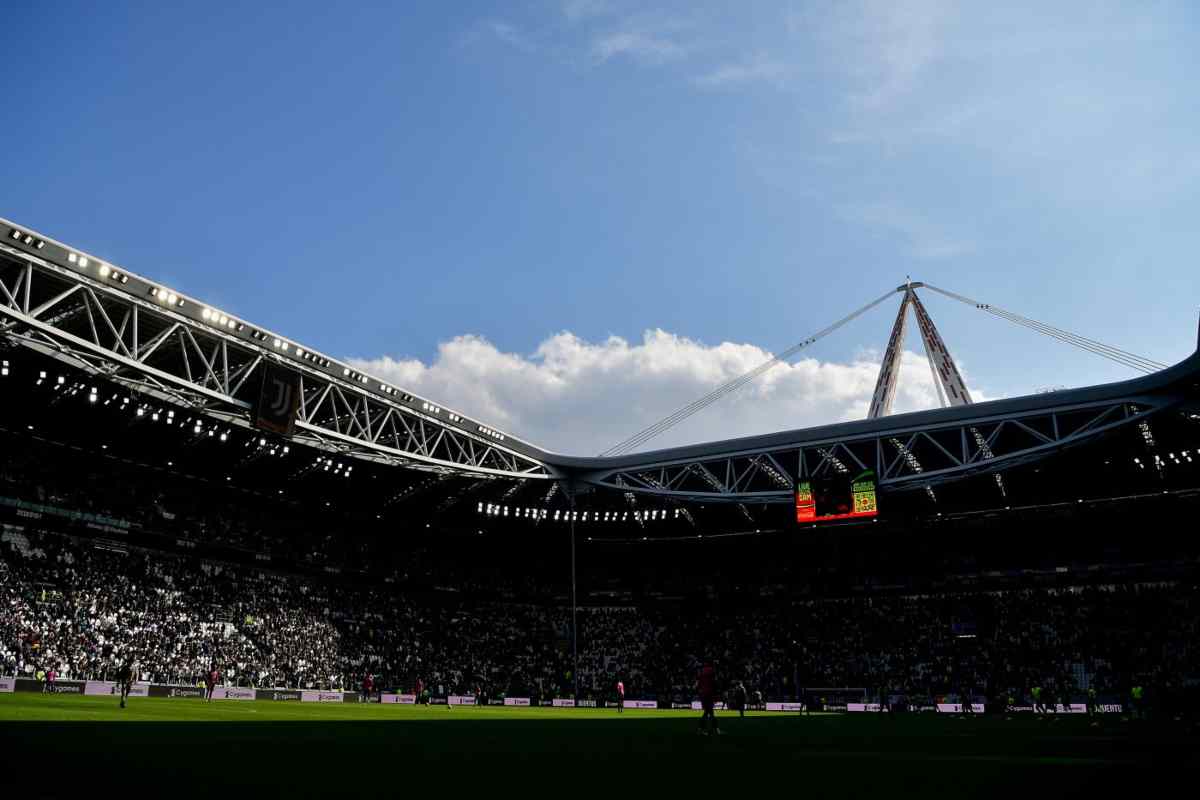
125	679
210	682
368	686
706	685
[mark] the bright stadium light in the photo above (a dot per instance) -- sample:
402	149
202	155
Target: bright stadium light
104	270
83	262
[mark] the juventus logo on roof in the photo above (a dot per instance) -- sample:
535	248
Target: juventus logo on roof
278	401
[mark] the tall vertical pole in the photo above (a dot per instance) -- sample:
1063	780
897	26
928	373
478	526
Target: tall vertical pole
574	611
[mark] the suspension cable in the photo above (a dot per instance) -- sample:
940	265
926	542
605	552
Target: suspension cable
646	434
1124	357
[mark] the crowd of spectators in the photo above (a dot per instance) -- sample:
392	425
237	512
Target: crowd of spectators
68	605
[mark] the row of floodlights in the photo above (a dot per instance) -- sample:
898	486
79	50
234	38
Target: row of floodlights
346	372
647	515
217	319
1158	460
486	431
27	238
104	270
141	410
328	465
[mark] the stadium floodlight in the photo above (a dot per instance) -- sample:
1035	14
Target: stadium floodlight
4	369
71	257
104	270
172	299
224	436
83	262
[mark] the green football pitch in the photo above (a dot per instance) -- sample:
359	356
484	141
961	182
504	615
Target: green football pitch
177	747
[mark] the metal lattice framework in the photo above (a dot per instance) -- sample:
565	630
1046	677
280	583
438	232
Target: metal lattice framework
102	327
913	456
130	331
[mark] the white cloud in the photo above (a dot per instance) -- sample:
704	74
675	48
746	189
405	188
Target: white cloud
649	48
759	69
580	397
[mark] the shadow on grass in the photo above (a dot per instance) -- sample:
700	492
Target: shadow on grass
837	756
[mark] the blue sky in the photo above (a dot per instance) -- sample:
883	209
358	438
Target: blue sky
483	194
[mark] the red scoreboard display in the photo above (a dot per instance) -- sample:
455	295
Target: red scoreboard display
836	497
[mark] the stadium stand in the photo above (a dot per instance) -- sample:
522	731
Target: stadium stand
82	610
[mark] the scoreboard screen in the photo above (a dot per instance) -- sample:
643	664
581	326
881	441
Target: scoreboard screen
836	497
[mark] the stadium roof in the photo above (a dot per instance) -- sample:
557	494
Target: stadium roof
44	277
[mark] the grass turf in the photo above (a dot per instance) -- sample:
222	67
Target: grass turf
189	747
